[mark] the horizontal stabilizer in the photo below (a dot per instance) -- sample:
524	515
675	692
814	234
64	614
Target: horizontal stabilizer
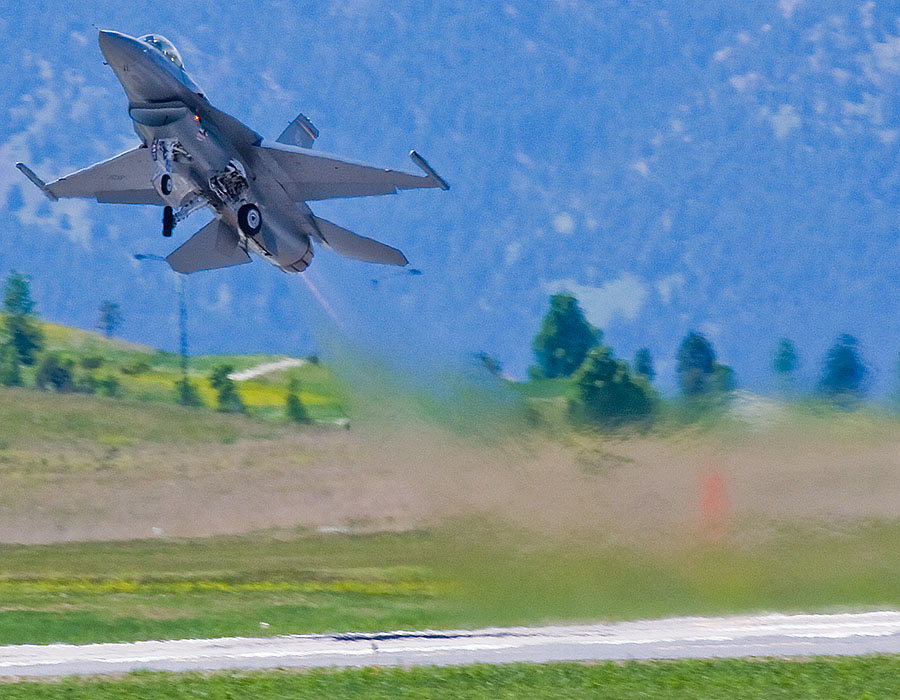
213	246
352	245
299	132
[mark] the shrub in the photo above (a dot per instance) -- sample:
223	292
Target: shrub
293	406
91	362
134	367
10	374
186	393
108	385
86	383
607	393
228	399
54	372
295	409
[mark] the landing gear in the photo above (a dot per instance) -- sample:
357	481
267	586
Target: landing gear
165	184
168	221
249	219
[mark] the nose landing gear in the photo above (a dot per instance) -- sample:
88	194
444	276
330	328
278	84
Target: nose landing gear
168	221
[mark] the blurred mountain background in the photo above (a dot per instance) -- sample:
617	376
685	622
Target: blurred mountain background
725	167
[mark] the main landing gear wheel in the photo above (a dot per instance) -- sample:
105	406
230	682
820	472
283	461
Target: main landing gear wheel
249	219
168	221
165	184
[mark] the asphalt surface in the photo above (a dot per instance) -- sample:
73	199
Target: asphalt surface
677	638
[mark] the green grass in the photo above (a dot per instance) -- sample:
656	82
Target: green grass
37	420
321	392
469	574
865	678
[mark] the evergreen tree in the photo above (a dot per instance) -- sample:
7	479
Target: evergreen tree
109	317
293	406
786	361
228	400
643	364
607	394
565	337
21	330
10	374
844	373
17	294
696	364
186	393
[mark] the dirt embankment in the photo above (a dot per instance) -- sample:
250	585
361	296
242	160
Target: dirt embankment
641	488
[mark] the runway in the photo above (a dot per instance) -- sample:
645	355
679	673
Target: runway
847	634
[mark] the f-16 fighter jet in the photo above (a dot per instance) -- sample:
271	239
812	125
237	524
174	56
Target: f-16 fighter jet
193	156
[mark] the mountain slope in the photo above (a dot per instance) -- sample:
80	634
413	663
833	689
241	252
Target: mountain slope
727	168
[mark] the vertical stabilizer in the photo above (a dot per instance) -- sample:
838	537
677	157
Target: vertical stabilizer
299	132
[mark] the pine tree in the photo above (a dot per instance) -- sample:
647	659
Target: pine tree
293	406
786	362
186	393
844	373
643	364
696	364
109	317
228	400
19	324
565	337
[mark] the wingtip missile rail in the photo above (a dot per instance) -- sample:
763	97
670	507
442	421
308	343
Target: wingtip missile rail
41	185
428	170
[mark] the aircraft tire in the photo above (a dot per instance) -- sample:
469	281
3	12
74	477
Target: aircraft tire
165	184
168	221
249	219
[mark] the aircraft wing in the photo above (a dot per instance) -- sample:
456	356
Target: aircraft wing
309	175
124	179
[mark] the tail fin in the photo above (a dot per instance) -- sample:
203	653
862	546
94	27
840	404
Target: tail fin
213	246
299	132
351	245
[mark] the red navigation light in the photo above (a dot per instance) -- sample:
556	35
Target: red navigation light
196	117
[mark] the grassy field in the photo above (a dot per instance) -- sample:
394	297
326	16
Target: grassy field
867	678
454	506
469	574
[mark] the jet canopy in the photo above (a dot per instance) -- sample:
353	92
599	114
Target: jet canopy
167	47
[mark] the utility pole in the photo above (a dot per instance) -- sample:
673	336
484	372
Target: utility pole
182	327
182	313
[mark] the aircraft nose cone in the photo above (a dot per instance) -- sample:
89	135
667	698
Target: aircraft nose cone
116	46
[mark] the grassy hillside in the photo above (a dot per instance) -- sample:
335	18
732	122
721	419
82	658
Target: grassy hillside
144	374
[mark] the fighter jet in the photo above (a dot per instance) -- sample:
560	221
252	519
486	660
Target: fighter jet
193	156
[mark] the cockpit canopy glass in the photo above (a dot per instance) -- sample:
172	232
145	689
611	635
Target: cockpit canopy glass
166	46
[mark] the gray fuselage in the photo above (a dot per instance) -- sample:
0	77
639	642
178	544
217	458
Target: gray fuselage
202	156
